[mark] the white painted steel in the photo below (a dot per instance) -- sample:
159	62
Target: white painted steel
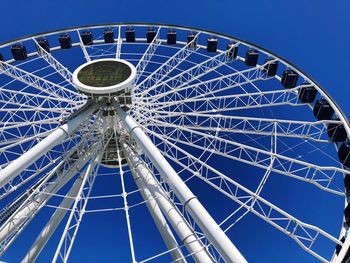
36	200
53	223
243	196
78	209
82	46
55	138
126	206
119	43
169	100
208	225
159	219
182	228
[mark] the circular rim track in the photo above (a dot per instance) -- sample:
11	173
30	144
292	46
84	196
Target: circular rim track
305	75
339	113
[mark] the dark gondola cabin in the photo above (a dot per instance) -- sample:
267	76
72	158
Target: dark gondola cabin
65	41
130	34
87	38
344	154
44	44
307	93
270	67
322	110
212	44
336	132
19	52
251	58
289	79
150	35
171	37
108	36
191	38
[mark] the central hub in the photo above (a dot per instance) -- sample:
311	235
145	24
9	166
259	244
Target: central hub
105	77
111	78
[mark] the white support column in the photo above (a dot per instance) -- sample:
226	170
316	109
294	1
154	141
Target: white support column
202	218
78	210
37	199
145	180
40	149
53	223
126	207
159	220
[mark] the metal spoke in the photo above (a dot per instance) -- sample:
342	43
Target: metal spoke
167	67
53	223
17	166
215	85
237	124
213	232
83	48
43	85
57	66
29	207
60	69
13	186
185	232
68	237
304	234
147	56
126	207
119	43
158	217
271	98
191	74
321	177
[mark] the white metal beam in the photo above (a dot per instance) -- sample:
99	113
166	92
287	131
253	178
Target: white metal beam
83	48
147	56
172	63
182	79
53	223
215	85
208	225
146	179
55	138
119	43
14	225
233	102
54	63
305	235
124	194
70	231
312	130
321	176
45	86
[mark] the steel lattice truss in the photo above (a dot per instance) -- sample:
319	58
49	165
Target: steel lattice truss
230	131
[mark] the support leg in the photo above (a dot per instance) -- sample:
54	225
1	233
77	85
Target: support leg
55	138
182	228
158	217
200	215
53	223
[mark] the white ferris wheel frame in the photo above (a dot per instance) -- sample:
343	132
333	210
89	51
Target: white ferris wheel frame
211	230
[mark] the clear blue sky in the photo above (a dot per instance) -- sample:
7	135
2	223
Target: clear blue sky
313	34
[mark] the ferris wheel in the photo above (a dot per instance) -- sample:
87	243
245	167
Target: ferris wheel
163	143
